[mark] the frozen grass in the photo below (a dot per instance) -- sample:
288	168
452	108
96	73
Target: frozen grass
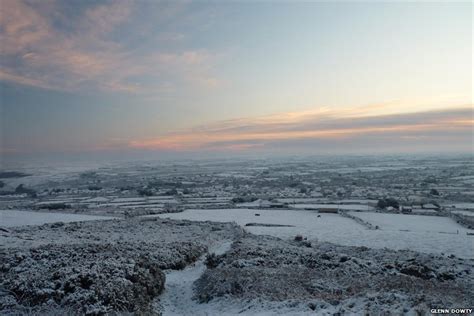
330	279
11	218
426	234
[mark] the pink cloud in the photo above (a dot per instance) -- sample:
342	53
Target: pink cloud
51	59
242	134
4	75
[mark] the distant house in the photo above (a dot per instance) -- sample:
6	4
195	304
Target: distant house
430	206
406	209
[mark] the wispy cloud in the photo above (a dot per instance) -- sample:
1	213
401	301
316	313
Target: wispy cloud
322	124
42	46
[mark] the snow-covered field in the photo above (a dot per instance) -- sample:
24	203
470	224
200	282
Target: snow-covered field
426	234
469	206
11	218
412	223
464	212
352	207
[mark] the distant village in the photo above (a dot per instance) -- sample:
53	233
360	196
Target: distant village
439	188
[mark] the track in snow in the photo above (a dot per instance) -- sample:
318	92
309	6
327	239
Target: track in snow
177	299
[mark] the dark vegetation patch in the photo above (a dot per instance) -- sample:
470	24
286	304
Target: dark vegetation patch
386	202
12	174
20	189
94	188
244	199
92	278
145	192
267	225
55	206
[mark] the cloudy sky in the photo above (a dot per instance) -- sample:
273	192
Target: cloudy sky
213	77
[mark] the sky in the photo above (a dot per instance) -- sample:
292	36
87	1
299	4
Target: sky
228	78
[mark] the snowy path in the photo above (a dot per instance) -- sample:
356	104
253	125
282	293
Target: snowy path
178	294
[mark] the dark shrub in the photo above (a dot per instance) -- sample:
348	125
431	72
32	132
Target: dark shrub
145	192
55	206
22	190
213	260
384	203
171	192
94	188
244	199
12	174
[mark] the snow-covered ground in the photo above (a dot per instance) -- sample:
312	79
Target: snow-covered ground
464	212
352	207
349	184
425	234
469	206
11	218
412	223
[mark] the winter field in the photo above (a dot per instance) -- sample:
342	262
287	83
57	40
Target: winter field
429	234
10	218
347	235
